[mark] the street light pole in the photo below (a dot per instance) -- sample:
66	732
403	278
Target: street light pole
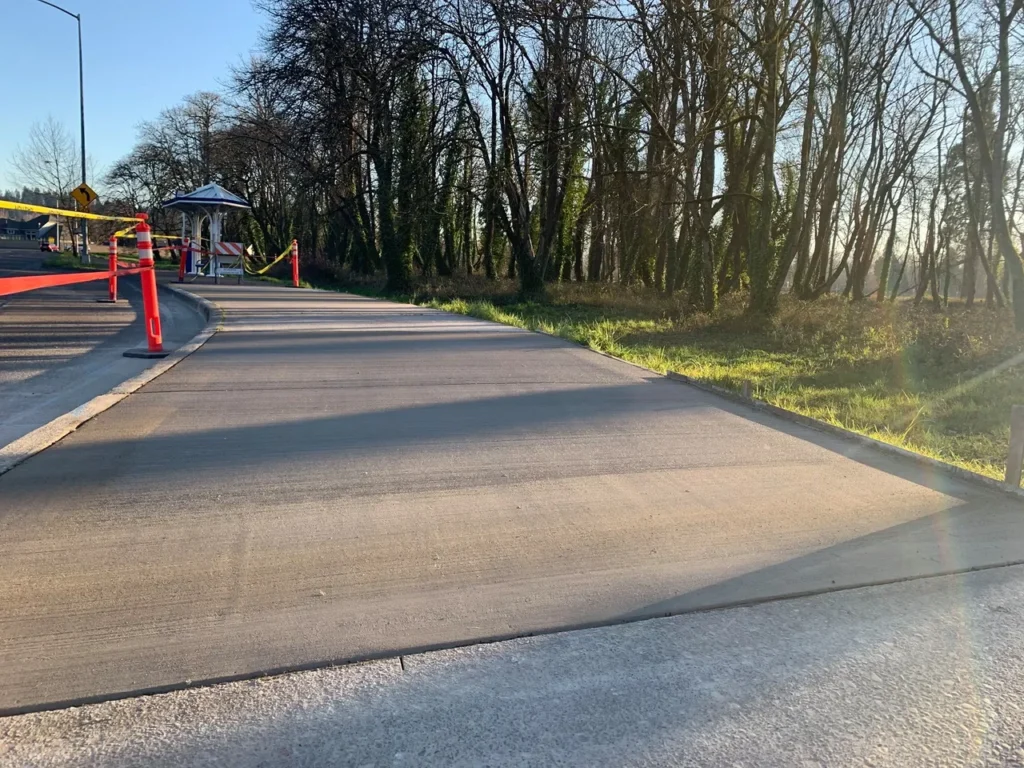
81	103
81	107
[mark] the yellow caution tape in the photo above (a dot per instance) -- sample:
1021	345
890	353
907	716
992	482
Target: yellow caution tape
130	232
287	251
62	212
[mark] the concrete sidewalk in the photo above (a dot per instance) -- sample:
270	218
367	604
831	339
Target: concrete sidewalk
919	673
334	478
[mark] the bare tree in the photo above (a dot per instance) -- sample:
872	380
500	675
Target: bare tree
977	37
50	162
699	147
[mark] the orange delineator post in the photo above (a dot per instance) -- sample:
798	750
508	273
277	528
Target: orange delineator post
150	305
184	254
295	263
112	266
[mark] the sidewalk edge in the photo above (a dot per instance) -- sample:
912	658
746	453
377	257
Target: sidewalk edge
868	442
13	454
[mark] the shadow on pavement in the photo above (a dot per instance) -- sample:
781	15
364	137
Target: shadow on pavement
965	538
639	410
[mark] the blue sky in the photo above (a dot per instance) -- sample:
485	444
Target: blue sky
190	45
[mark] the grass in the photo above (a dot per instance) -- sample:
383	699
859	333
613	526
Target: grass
928	381
68	260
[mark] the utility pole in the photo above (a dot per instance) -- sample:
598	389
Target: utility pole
81	104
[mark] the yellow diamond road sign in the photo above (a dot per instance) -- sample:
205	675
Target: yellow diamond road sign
85	195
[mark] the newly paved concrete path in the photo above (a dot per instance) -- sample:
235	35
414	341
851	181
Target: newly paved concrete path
335	478
921	673
59	348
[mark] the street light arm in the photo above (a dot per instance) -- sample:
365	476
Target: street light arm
62	10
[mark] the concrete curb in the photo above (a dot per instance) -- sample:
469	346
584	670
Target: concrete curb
13	454
213	313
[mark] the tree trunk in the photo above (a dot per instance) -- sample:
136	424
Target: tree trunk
762	299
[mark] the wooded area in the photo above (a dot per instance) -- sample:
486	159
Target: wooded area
699	147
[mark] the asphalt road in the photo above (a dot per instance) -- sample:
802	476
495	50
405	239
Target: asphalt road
334	478
920	673
59	347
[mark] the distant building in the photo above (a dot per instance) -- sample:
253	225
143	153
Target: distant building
22	230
